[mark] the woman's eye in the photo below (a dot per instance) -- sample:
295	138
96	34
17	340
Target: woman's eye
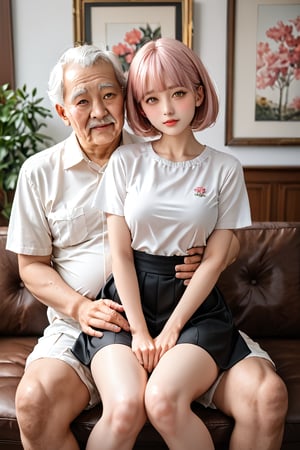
150	100
179	94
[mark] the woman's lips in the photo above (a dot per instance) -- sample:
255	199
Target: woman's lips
170	123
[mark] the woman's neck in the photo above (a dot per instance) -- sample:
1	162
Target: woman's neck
178	148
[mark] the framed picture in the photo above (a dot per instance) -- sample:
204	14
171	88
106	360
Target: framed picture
124	26
263	73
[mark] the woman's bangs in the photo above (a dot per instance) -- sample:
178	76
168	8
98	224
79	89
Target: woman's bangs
152	79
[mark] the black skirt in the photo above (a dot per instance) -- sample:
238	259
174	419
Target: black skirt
210	327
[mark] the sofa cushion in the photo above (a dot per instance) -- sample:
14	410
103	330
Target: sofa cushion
262	287
13	354
20	313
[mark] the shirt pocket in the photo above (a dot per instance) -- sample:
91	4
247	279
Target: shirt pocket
69	227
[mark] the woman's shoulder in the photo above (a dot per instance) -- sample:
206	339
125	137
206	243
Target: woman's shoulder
222	157
128	151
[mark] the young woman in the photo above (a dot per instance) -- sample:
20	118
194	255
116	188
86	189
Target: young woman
162	197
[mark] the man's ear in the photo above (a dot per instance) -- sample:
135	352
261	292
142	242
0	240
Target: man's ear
199	96
62	114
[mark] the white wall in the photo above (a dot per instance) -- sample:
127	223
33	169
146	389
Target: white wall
43	29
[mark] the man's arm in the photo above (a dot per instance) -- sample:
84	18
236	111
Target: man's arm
191	263
47	286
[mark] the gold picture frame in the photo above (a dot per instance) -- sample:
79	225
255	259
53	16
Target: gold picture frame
102	22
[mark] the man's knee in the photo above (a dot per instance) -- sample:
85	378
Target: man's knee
273	399
252	387
31	407
46	389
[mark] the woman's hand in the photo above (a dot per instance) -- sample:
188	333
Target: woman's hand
164	341
144	349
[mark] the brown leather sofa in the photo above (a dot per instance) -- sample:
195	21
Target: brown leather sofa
262	288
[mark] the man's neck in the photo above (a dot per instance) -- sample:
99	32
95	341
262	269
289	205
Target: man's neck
101	154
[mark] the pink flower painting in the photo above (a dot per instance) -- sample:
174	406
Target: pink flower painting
278	71
132	41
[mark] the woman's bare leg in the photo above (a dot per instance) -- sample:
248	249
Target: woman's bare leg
182	374
121	381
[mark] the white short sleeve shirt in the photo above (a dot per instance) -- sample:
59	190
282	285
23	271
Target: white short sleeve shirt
172	206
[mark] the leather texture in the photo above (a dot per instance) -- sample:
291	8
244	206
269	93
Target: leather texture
262	288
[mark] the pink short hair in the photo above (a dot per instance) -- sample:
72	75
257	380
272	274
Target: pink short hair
168	60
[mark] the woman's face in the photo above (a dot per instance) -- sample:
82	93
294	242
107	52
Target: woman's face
171	110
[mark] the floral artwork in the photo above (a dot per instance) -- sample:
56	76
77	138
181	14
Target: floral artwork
132	41
278	68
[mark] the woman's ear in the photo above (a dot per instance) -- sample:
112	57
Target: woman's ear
62	114
199	96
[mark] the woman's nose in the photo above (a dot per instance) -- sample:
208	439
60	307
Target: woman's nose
167	108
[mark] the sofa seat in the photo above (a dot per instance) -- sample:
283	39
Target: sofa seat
262	288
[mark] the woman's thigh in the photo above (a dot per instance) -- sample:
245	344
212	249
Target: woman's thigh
186	370
118	374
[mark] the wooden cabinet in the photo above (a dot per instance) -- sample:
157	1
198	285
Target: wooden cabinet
274	193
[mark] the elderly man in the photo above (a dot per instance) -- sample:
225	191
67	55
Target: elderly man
63	254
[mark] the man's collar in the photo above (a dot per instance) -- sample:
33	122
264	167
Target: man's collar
73	154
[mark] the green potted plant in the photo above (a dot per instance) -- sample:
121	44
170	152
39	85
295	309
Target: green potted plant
21	113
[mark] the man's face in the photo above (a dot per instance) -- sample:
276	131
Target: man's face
93	105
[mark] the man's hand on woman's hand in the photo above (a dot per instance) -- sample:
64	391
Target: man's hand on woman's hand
105	314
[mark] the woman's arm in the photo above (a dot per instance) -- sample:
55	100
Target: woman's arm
124	272
192	261
215	260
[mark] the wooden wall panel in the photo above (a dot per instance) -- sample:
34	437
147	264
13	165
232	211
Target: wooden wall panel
260	200
289	201
274	193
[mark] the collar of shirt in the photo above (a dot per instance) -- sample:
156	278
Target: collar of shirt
73	155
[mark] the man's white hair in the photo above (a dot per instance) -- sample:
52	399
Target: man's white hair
85	56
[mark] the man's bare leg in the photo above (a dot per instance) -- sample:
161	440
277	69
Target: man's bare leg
49	397
256	397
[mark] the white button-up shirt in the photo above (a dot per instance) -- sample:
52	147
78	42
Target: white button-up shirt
53	214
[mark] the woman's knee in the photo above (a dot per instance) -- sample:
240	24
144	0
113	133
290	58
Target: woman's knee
161	406
126	415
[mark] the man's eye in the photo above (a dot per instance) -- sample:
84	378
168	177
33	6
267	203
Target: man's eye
109	96
82	102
